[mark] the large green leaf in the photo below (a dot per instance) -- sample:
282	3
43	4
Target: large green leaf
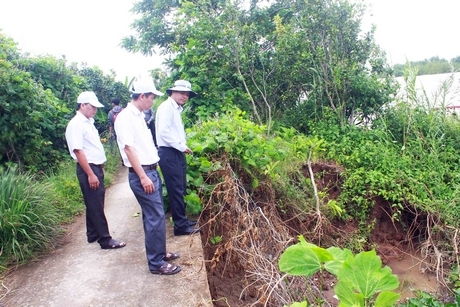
346	295
364	274
339	255
303	259
386	298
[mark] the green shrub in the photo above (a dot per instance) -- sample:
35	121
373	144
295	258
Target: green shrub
255	155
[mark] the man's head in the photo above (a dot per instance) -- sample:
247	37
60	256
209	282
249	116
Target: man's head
181	91
88	104
115	102
143	94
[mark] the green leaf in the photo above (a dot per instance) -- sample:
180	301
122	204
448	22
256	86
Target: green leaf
386	298
364	273
303	260
339	255
346	295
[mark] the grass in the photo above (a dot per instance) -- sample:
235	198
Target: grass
28	217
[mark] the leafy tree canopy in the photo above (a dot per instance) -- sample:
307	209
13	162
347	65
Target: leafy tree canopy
37	98
276	60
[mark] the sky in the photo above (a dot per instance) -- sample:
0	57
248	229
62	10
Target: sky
415	30
91	30
87	31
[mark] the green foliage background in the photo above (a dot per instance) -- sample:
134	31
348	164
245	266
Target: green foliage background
37	98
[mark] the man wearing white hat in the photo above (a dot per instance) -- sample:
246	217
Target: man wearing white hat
86	149
172	149
140	155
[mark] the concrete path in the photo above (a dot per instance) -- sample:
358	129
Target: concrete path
81	274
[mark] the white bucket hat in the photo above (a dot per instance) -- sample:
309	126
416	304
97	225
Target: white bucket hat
89	97
145	86
182	86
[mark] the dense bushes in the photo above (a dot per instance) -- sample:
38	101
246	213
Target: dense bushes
37	99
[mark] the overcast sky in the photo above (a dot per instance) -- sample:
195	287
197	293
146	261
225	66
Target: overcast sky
91	30
84	31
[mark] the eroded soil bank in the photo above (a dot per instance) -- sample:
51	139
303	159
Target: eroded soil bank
245	234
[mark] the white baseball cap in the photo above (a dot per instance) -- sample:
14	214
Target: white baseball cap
145	86
89	97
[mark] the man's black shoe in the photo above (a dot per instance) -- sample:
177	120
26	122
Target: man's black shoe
192	223
189	231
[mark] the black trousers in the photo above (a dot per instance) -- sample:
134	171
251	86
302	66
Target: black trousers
96	222
174	168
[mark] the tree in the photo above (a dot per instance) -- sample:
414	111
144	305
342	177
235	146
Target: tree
106	88
32	119
273	60
54	74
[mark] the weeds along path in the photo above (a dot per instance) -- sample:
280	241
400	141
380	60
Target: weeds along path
82	274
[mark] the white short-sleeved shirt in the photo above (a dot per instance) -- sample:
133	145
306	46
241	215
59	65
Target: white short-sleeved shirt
169	127
132	131
81	134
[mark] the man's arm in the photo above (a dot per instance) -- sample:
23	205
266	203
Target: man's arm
92	178
147	184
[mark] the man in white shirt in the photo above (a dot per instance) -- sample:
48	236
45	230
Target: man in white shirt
86	149
172	149
140	155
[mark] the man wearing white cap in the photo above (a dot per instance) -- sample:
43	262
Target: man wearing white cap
141	157
86	149
171	140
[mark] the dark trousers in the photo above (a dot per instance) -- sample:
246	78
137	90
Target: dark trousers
153	218
96	222
174	168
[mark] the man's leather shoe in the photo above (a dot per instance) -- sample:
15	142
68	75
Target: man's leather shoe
192	223
189	231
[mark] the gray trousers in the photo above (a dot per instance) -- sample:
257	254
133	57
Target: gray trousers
153	218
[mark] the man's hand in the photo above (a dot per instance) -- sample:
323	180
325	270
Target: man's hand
93	182
188	151
147	184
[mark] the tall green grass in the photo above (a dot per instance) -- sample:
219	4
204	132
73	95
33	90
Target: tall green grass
27	217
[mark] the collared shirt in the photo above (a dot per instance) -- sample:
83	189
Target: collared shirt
169	126
81	134
132	131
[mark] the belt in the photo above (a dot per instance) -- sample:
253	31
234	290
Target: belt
145	167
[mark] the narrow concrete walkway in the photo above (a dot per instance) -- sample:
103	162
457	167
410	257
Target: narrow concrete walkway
81	274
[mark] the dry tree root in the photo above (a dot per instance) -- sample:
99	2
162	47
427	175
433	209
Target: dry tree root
321	220
439	258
